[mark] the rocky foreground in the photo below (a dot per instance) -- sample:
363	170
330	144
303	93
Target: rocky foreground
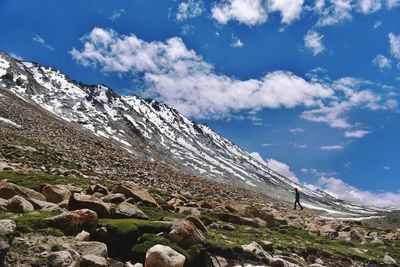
121	223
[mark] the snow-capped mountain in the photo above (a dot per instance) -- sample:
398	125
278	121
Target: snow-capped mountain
155	131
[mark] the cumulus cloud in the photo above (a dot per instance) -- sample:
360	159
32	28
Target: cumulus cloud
369	6
290	9
117	13
382	62
282	168
258	157
356	133
336	12
249	12
236	42
37	38
316	172
313	41
394	42
180	77
189	10
333	147
393	3
341	190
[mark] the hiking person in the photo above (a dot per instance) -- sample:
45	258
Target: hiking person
297	199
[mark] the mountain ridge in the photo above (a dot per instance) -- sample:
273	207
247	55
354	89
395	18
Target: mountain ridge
152	130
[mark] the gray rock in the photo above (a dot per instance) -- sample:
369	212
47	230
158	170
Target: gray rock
7	227
93	261
62	259
83	236
165	256
19	204
128	210
91	248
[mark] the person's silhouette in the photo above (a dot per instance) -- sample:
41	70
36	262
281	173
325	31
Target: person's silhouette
297	199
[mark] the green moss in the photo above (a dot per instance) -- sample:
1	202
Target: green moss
158	215
41	261
28	222
124	233
194	256
56	247
53	231
33	180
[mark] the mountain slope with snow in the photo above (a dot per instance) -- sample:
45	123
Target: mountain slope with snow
157	132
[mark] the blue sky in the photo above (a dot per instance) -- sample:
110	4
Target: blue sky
311	86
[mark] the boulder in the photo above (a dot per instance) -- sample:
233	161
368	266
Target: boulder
93	261
63	259
19	204
98	188
8	190
233	218
185	234
83	236
114	198
128	210
91	248
80	201
266	245
165	256
356	236
56	193
257	250
252	211
328	231
4	248
135	191
44	205
7	227
73	222
197	222
218	261
343	236
388	260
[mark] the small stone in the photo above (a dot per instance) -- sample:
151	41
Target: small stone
266	245
165	256
389	260
62	259
128	210
83	236
91	248
93	261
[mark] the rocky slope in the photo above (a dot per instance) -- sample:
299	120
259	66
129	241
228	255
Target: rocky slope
156	132
69	197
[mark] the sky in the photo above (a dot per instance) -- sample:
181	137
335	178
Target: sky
310	88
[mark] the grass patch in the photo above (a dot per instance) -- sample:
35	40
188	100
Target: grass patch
28	222
155	214
34	180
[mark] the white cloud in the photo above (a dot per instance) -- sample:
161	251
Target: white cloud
382	62
356	133
269	144
316	172
179	77
378	24
282	168
290	9
189	10
117	13
258	157
296	130
338	11
339	189
313	41
368	6
333	147
394	45
386	168
393	3
37	38
16	56
236	42
249	12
